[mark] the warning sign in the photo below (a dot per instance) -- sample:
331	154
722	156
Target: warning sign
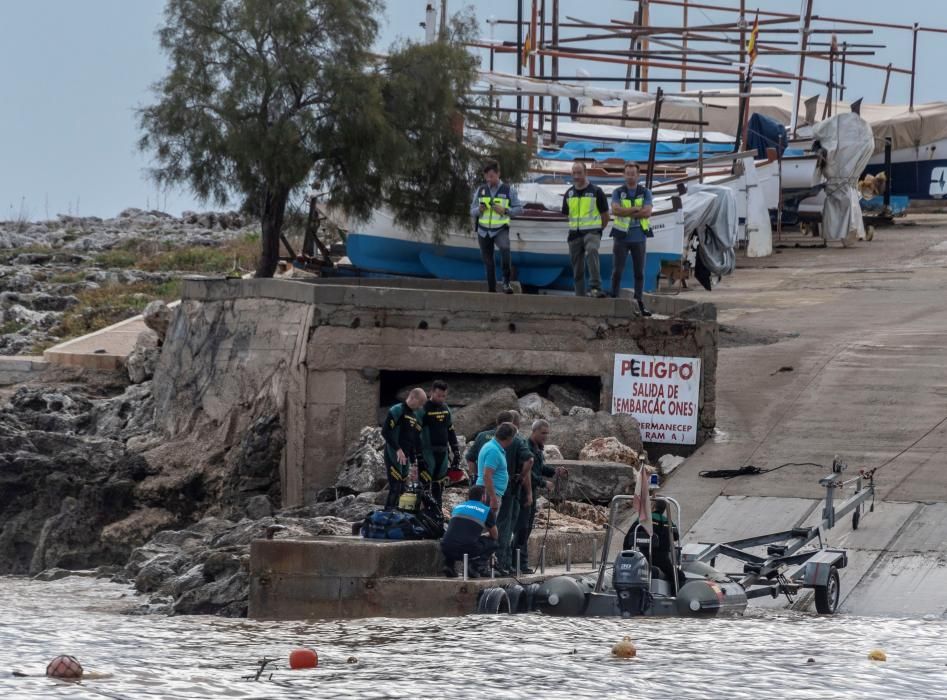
661	392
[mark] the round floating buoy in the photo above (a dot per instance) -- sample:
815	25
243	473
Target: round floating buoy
810	661
625	649
64	666
303	658
877	655
351	660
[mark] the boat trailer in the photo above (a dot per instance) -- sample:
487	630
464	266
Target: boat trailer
637	587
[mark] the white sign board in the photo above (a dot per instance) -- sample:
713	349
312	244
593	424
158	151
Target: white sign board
661	392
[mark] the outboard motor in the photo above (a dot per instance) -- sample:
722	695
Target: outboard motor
631	581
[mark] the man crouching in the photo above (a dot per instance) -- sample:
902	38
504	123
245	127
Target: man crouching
465	535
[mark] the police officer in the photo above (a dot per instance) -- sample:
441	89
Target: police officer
484	436
465	535
437	437
631	205
494	202
540	472
402	434
519	494
587	208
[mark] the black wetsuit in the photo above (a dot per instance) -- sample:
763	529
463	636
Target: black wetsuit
401	430
437	439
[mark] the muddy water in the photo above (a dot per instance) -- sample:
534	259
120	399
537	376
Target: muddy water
760	655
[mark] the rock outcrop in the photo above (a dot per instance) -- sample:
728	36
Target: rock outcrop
364	466
567	395
572	433
608	449
482	414
533	406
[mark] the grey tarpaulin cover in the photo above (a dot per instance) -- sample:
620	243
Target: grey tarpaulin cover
849	143
716	225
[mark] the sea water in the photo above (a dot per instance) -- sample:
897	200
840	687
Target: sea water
763	654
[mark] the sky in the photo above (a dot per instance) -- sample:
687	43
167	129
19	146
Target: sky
72	73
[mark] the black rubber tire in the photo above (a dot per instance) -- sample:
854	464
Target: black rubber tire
493	601
517	596
856	517
827	597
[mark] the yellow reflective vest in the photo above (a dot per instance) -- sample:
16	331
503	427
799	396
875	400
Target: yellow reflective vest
489	219
583	209
622	223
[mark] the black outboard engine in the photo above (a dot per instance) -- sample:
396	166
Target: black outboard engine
630	579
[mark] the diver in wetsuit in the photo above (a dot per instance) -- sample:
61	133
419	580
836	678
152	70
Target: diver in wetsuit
402	433
437	438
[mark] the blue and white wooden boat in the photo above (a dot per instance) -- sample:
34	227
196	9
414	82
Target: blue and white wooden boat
538	241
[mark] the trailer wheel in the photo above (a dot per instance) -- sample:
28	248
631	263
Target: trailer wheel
827	596
856	516
493	601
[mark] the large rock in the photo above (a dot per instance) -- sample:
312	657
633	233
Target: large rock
364	467
138	527
60	485
533	406
594	482
572	433
482	414
551	452
143	359
608	449
157	317
567	395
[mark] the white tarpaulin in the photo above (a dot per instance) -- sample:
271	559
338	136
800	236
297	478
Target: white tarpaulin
716	226
562	89
849	143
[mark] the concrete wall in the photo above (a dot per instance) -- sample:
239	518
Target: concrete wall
317	351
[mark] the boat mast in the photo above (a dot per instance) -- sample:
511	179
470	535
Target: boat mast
555	70
684	57
803	42
532	71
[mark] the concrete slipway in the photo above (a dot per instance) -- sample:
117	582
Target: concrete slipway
859	370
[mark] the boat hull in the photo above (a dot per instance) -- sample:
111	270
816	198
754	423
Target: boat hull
918	173
539	250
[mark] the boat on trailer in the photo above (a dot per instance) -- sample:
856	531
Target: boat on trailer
774	564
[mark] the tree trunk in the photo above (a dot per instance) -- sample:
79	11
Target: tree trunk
274	208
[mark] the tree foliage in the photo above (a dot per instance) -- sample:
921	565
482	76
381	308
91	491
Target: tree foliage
263	95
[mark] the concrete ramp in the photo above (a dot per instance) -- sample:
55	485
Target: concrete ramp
736	517
910	577
897	559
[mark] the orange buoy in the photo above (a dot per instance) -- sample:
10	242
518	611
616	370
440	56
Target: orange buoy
877	655
303	658
66	667
625	649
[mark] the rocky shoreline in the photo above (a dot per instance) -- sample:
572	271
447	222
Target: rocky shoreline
70	275
89	483
88	487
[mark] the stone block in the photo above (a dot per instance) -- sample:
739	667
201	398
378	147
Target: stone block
353	557
597	482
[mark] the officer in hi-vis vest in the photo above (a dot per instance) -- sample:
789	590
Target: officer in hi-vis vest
587	208
631	205
494	202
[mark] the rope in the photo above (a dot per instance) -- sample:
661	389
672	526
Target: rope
751	470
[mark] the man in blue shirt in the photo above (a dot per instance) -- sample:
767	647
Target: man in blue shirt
465	535
631	205
492	471
494	202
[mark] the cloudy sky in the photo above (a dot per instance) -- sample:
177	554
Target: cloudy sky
73	72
